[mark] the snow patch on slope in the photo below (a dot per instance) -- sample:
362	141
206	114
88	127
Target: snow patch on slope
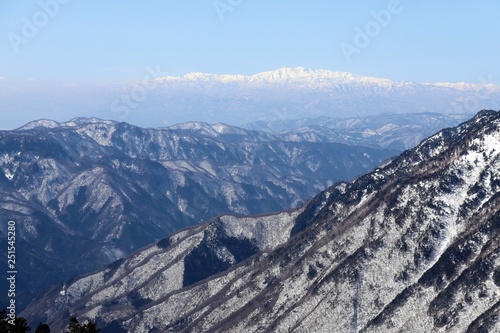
268	231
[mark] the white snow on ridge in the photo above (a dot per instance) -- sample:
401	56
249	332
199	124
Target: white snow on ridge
463	86
269	231
47	123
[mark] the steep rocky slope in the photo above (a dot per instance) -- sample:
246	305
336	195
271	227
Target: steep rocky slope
411	247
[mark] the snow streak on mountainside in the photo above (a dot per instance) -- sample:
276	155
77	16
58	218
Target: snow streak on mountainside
280	95
87	192
411	247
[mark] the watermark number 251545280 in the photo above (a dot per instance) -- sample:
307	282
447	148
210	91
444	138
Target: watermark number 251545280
11	271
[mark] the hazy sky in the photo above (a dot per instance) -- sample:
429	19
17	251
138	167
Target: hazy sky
424	40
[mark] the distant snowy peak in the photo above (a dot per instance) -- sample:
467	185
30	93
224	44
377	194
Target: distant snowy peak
314	78
284	75
301	74
293	93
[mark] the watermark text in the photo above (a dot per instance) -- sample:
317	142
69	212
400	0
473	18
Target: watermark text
221	7
364	36
11	272
31	26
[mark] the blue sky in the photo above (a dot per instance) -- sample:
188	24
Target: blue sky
424	41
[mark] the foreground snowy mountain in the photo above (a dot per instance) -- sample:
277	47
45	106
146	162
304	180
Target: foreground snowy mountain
411	247
88	192
278	95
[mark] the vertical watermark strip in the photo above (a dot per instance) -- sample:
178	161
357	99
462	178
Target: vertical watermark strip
11	272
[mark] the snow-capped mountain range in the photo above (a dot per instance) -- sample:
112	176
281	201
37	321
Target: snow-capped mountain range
411	247
279	95
87	192
313	79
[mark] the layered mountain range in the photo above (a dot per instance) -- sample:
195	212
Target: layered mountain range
88	192
278	95
411	247
388	130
